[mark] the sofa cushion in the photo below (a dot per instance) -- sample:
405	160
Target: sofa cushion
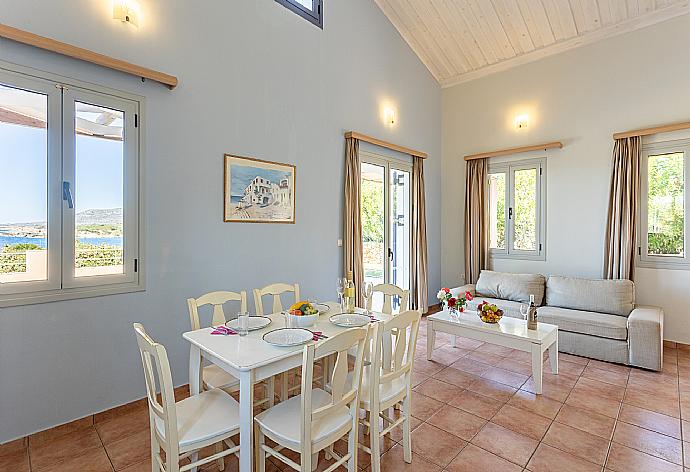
509	307
585	322
615	297
515	287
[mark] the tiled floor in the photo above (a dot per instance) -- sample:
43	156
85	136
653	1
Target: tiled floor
473	410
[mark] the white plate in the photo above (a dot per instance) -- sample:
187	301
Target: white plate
350	320
255	322
322	307
285	337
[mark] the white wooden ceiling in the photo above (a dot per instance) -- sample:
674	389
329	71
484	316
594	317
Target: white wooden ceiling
461	40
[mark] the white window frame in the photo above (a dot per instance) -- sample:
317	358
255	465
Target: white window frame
659	261
61	284
509	168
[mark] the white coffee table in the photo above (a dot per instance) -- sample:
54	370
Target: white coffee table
509	332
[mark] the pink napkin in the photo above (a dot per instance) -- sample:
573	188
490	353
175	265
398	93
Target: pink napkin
223	330
318	335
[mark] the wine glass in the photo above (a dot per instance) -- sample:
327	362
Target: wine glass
340	287
524	309
367	292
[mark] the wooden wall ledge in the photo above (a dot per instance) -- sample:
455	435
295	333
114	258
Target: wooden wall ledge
652	130
387	145
515	150
65	49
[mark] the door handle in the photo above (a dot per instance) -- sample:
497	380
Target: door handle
510	213
390	254
67	194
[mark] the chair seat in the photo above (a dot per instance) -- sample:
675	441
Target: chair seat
216	377
202	417
387	390
282	422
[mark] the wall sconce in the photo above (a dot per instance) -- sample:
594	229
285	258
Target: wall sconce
126	11
389	116
521	121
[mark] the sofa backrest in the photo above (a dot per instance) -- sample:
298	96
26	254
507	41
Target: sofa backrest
615	297
515	287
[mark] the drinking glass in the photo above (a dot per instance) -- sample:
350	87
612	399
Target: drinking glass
368	291
340	287
243	323
524	309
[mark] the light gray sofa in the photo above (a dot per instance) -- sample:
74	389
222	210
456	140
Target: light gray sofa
595	318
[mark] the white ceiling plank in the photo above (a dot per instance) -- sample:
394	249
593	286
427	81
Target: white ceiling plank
486	43
586	14
612	11
463	43
494	23
646	6
453	47
512	20
560	17
537	22
633	8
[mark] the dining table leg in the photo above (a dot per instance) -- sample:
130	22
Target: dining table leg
246	420
194	370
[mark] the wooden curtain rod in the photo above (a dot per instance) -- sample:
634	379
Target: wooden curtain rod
653	130
65	49
515	150
378	142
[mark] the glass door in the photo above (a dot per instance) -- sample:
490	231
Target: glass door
386	218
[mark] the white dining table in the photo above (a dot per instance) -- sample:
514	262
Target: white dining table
251	359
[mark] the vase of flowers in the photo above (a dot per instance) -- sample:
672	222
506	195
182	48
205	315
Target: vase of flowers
453	303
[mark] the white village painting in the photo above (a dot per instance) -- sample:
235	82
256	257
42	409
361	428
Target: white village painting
259	191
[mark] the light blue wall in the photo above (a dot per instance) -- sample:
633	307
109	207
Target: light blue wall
255	80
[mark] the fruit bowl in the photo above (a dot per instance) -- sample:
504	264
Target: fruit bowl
302	315
489	313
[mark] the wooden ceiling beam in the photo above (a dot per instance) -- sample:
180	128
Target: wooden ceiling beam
515	150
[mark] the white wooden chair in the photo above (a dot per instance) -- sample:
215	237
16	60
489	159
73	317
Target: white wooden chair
212	375
389	291
275	290
385	385
315	419
182	429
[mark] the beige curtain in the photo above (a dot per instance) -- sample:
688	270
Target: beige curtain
621	228
476	230
419	270
352	221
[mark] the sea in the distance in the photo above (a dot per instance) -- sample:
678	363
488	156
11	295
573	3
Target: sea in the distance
5	240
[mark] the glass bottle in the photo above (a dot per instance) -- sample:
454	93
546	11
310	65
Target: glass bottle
349	294
532	314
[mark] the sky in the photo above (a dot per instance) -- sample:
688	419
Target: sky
23	174
241	176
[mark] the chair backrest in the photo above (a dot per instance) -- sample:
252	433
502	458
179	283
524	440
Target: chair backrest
276	290
343	393
403	329
157	372
389	291
216	299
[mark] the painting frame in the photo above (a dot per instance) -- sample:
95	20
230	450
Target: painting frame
230	211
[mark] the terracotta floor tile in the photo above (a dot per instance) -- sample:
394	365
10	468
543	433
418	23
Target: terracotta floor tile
17	461
655	403
436	445
456	377
595	403
624	459
522	421
655	444
565	367
518	367
494	349
476	404
483	357
423	407
473	459
144	466
397	433
426	367
615	378
467	343
63	447
608	366
94	461
438	390
447	355
505	443
555	390
418	378
470	366
651	420
51	434
538	404
458	422
572	358
12	447
576	442
601	389
123	426
666	386
393	461
491	389
118	411
130	450
586	420
550	459
506	377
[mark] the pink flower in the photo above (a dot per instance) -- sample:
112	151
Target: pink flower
447	290
451	302
469	296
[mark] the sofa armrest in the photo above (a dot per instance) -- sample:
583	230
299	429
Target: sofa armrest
462	289
646	337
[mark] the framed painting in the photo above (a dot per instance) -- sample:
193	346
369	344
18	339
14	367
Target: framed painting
258	191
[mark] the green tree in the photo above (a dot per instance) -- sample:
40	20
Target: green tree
665	204
372	211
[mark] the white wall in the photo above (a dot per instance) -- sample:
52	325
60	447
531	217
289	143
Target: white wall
580	97
255	80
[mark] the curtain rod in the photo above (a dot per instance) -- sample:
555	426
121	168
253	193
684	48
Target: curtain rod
515	150
65	49
652	130
379	142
